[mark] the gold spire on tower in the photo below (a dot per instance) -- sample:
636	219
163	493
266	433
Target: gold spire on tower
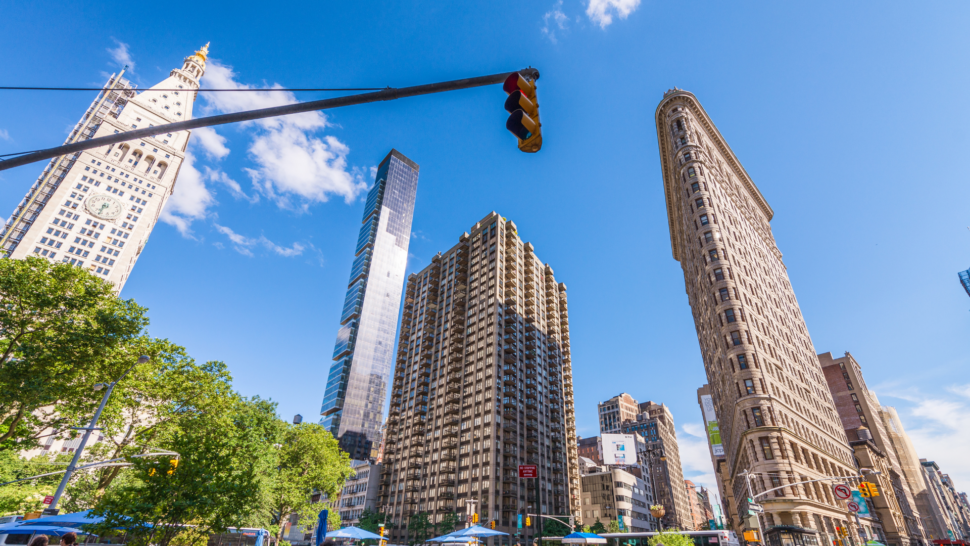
204	52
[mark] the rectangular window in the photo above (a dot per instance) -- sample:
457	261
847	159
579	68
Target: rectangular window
749	388
719	274
699	203
759	419
776	482
695	187
691	172
729	315
768	455
713	255
708	237
687	158
742	362
725	295
736	339
704	220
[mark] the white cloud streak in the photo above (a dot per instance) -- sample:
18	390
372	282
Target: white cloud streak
245	245
191	198
212	143
121	55
4	135
293	166
601	12
695	456
554	20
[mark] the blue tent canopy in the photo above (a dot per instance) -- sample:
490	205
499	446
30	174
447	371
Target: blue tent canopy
66	520
583	538
352	532
18	529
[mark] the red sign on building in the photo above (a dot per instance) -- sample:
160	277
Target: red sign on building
528	471
48	499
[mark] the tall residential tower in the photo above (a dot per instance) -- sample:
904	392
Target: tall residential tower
96	208
353	404
483	383
775	413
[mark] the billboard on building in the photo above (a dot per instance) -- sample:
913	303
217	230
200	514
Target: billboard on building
710	423
619	449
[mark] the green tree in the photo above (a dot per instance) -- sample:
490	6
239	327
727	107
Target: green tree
598	528
308	460
587	529
614	527
225	455
670	537
419	527
449	522
371	521
58	325
554	528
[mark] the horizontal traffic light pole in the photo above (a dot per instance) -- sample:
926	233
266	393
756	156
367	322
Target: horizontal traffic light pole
350	100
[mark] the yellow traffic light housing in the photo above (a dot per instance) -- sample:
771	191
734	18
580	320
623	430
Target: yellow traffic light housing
528	521
873	490
524	109
492	524
474	518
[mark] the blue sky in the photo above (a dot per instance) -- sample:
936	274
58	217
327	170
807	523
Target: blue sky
851	118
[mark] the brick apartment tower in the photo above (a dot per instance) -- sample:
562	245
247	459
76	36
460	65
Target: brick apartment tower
776	415
483	383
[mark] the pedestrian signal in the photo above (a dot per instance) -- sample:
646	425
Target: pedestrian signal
524	109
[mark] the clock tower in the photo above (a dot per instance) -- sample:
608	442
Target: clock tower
96	209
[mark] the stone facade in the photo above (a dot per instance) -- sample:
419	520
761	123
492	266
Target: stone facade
614	411
777	418
96	209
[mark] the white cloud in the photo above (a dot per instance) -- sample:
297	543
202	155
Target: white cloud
212	142
121	55
695	456
294	167
191	199
244	245
4	135
554	20
601	12
937	425
235	189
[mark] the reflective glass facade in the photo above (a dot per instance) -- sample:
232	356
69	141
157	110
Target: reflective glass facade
353	404
965	280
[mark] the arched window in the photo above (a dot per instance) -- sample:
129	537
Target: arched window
122	152
150	161
135	158
161	169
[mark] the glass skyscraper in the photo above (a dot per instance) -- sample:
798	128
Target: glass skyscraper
353	405
965	280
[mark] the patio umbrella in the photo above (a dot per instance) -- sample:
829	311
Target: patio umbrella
874	543
18	529
355	533
475	531
66	520
583	538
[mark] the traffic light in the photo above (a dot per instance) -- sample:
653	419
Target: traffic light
492	524
524	109
528	521
474	518
873	490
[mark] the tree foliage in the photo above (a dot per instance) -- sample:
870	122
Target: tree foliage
371	521
308	459
554	528
449	522
419	528
597	528
670	537
59	326
225	455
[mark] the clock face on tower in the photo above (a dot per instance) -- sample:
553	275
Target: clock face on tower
103	206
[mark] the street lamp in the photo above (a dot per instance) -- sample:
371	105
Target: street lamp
87	434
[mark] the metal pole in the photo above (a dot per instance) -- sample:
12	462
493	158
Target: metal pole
350	100
538	511
747	482
87	434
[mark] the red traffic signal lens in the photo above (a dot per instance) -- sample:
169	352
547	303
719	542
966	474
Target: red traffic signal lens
521	125
518	101
515	82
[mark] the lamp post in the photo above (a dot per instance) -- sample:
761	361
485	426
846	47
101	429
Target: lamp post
87	434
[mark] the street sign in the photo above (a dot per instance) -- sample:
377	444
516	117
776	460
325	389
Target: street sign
528	471
520	521
755	509
48	499
853	506
842	491
50	511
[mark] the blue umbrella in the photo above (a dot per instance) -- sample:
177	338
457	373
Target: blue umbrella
18	529
66	520
476	531
353	532
583	538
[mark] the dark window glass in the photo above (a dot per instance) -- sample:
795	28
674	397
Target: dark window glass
708	237
724	294
736	339
699	203
704	221
686	156
691	172
776	482
695	187
729	315
749	388
742	362
719	274
759	420
713	254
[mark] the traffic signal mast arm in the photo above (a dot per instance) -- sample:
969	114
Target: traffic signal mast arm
826	479
566	523
249	115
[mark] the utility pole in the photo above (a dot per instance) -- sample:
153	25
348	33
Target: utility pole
747	482
350	100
